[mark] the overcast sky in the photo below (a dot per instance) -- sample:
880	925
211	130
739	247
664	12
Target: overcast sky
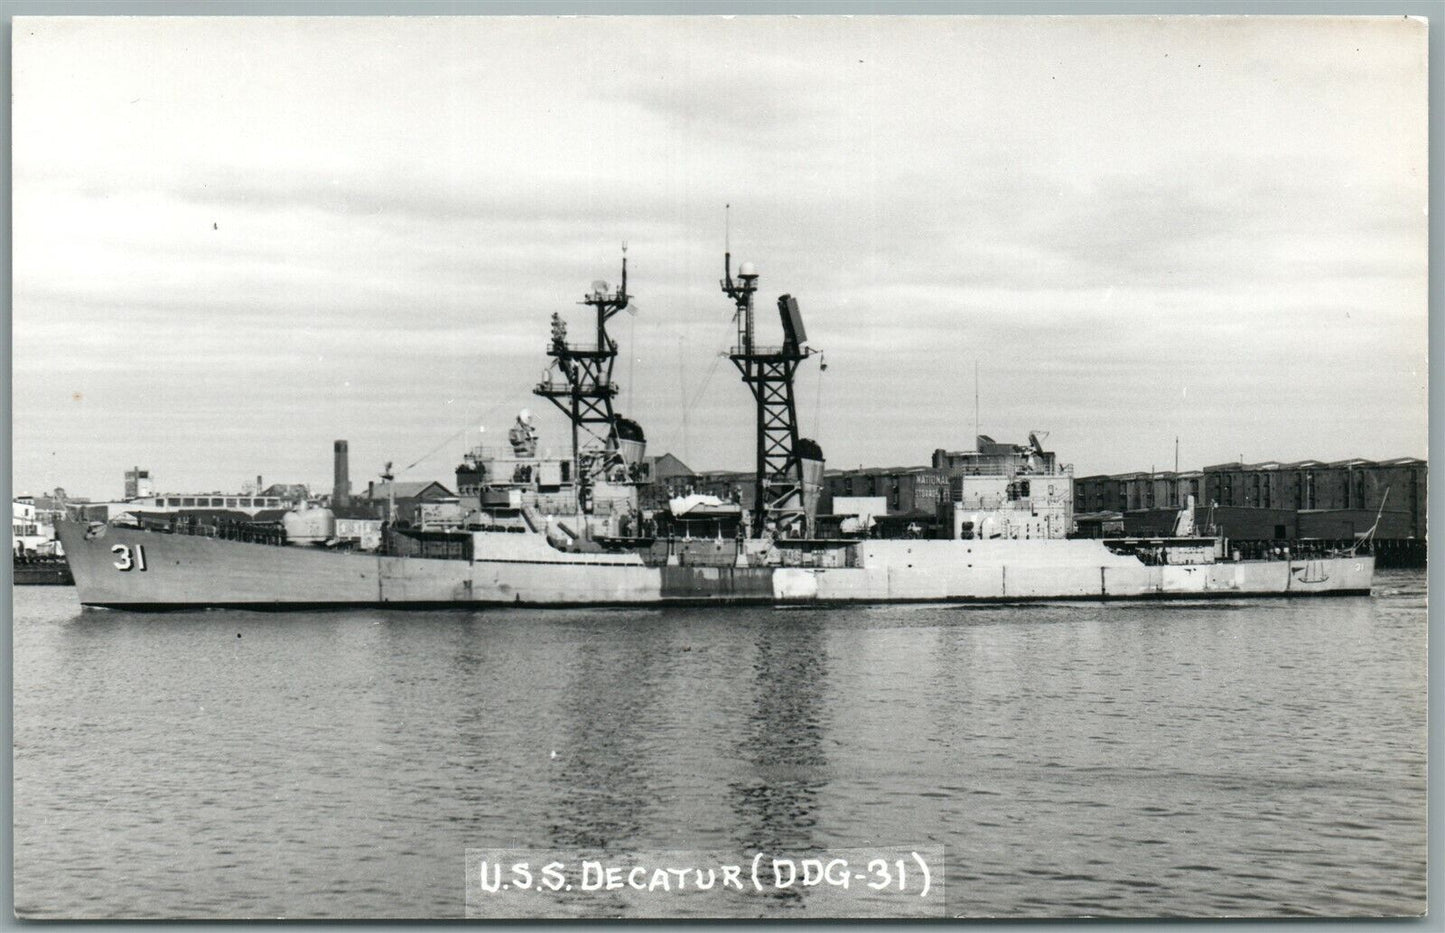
236	240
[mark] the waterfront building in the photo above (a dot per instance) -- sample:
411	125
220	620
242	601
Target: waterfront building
1304	486
1310	485
1273	501
138	484
904	490
28	534
252	503
409	497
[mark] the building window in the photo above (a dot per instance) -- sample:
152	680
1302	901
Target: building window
230	503
189	500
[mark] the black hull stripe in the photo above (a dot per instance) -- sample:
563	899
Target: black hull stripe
716	601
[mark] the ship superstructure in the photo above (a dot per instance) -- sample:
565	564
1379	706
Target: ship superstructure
534	527
1012	492
590	493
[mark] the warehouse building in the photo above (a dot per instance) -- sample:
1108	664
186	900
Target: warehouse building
1271	501
1310	485
903	489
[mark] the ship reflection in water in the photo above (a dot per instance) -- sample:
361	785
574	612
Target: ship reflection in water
600	773
1251	757
776	798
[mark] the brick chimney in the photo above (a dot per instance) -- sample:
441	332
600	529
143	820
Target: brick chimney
341	478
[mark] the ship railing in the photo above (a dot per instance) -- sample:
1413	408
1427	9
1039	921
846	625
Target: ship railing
563	386
590	349
494	453
501	454
999	470
494	528
272	533
988	470
984	503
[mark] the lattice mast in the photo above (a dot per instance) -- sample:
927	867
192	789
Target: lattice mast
586	391
768	371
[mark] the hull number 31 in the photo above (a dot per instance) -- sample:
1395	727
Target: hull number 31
129	558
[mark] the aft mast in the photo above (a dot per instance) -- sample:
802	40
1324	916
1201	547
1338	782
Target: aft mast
778	505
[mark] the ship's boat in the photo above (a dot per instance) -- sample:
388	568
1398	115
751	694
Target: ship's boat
704	508
533	529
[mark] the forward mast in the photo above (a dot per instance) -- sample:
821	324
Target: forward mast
579	382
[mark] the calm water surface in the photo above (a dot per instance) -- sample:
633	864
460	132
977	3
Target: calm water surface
1250	758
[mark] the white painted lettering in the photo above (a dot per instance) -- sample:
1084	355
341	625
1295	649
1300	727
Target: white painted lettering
491	884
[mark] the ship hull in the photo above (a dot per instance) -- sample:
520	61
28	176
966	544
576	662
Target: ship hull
125	568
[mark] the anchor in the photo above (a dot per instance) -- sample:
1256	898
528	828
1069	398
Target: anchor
1311	572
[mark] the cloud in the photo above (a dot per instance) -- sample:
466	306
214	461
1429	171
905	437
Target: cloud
1139	226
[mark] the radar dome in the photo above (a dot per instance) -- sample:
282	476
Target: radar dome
525	416
747	269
